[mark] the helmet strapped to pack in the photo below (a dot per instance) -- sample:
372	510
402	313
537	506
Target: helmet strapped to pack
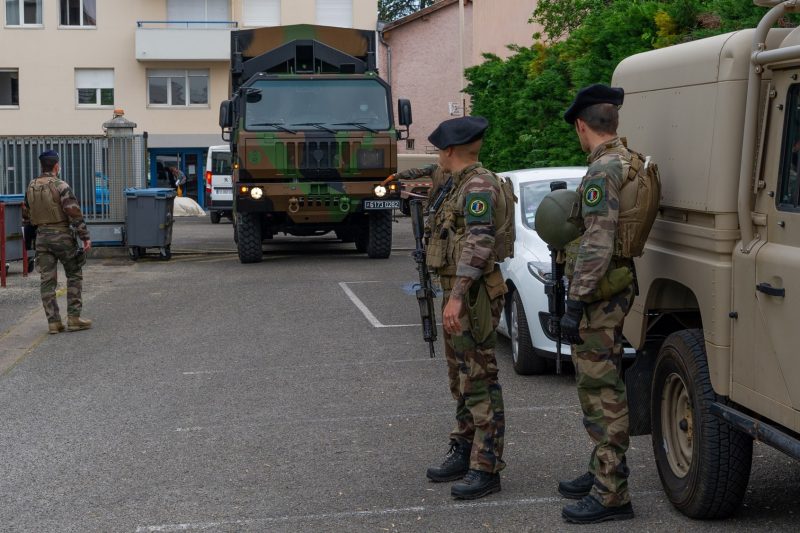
555	218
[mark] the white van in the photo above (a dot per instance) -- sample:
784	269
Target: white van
219	189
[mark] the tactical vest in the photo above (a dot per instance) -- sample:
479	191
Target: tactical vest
44	203
639	201
450	229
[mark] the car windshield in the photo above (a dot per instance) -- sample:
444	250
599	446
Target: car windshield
321	105
531	195
220	163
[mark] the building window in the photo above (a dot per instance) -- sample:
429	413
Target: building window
9	87
181	11
23	12
335	13
257	13
177	88
94	87
78	13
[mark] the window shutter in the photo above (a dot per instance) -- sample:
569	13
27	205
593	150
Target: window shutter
94	78
335	13
259	13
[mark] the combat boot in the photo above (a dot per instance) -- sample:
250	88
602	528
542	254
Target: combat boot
577	488
76	323
455	465
55	327
476	484
589	510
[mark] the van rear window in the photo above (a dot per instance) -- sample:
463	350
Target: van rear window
220	163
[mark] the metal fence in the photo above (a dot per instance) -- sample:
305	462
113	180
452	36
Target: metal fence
98	168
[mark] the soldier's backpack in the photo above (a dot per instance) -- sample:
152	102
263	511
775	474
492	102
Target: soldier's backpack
505	227
640	198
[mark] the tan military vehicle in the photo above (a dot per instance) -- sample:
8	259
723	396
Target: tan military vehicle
717	319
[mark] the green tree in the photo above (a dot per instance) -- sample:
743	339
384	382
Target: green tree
389	10
524	97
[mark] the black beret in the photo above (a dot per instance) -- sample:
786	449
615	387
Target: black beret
49	154
458	131
591	95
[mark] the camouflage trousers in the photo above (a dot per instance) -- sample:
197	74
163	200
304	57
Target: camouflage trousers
51	247
602	395
472	374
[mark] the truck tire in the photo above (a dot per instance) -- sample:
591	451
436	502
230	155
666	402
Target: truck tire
215	217
703	463
249	238
524	356
379	238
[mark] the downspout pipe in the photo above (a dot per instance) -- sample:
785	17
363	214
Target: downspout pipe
758	58
382	25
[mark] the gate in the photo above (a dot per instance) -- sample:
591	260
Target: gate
98	168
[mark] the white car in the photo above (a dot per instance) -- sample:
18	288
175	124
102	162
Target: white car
219	189
525	273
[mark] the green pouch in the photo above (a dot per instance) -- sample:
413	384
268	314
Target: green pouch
479	311
434	252
614	282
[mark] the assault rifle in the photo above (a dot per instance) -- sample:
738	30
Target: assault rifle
555	290
425	290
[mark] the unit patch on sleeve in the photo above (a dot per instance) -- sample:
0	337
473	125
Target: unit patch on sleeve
594	197
479	208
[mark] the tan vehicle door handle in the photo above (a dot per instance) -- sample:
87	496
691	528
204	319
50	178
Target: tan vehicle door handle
768	289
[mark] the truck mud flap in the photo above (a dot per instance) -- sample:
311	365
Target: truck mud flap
638	384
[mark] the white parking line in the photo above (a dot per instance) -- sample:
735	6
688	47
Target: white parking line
365	310
456	506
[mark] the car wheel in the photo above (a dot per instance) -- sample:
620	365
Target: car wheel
703	463
526	360
215	217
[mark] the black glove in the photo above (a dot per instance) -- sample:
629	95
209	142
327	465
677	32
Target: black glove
571	322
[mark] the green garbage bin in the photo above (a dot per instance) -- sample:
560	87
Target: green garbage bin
148	222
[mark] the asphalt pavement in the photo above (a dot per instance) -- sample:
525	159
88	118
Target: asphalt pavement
291	395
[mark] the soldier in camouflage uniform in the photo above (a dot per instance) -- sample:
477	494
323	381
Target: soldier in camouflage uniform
51	206
593	324
461	252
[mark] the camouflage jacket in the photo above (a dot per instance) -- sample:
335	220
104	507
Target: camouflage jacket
599	193
474	200
69	204
435	172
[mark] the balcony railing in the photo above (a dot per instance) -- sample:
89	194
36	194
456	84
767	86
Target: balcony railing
188	24
184	40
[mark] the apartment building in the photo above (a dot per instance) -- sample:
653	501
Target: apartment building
65	65
420	55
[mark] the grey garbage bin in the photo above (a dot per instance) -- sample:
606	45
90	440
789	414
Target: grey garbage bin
12	222
148	223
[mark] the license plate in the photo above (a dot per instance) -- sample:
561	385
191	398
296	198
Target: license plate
372	205
223	190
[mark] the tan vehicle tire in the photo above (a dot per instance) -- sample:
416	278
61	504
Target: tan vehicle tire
703	463
524	356
248	238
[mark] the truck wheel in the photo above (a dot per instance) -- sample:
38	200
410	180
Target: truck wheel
703	463
379	240
248	243
526	360
215	217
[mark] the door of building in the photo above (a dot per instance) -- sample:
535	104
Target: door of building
188	161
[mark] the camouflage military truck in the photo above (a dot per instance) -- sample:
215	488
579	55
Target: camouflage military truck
716	319
312	137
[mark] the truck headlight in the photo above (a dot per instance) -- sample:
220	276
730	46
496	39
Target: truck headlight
256	193
380	191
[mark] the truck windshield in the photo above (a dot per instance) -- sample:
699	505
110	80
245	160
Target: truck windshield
317	105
